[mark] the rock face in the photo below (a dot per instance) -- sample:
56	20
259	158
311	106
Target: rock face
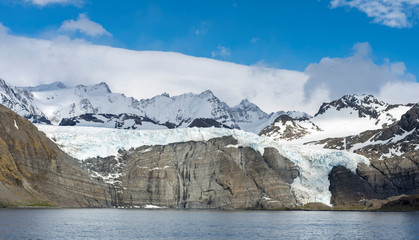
212	174
34	171
207	122
394	157
381	180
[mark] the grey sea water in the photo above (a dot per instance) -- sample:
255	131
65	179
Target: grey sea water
200	224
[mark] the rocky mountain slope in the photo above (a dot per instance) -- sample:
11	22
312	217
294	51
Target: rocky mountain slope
34	171
349	115
21	102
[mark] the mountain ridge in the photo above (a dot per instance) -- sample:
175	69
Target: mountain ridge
60	105
349	115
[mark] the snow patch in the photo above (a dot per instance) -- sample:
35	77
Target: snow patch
16	125
152	206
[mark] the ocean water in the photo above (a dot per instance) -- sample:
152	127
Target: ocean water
202	224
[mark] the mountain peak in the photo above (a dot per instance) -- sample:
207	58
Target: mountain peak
207	93
366	105
93	88
363	99
46	87
246	102
165	94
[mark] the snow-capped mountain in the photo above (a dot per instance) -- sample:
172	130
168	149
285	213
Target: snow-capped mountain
65	103
400	138
183	109
349	115
251	118
98	106
21	102
364	107
287	128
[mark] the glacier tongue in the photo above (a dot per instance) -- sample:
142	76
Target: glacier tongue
313	163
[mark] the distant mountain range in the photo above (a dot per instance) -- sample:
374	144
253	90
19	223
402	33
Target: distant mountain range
97	106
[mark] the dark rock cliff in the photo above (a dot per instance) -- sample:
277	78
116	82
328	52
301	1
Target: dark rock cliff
212	174
34	171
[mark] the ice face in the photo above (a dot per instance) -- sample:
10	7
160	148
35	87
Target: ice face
313	163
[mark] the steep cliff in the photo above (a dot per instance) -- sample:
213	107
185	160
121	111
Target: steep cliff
34	171
211	174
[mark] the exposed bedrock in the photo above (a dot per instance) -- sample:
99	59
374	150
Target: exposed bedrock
34	171
212	174
380	180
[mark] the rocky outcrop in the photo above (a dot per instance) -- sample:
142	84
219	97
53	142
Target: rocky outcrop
212	174
34	171
402	203
380	180
207	122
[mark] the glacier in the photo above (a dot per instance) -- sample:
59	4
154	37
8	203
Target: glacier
313	162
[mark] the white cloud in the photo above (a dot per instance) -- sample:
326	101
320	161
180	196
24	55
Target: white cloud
400	92
357	74
3	29
49	2
392	13
84	25
221	51
144	74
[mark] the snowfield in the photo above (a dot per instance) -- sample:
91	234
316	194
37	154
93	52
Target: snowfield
313	162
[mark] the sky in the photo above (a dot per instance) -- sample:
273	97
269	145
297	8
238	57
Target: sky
281	55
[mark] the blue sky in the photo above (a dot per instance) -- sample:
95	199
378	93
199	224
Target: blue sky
285	34
275	34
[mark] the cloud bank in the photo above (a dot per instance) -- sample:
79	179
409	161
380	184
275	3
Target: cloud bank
144	74
84	25
392	13
335	77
